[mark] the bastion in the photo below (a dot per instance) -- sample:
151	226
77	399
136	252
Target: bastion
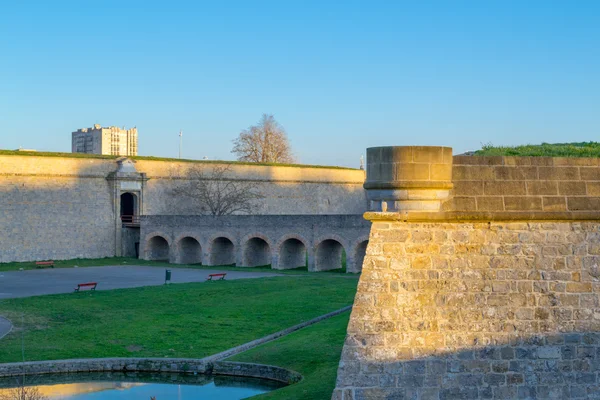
481	279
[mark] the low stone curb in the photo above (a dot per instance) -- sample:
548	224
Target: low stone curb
177	365
6	326
247	346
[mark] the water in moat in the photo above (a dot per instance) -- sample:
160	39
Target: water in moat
133	386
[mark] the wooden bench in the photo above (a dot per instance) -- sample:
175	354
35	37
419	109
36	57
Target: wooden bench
91	284
42	264
211	276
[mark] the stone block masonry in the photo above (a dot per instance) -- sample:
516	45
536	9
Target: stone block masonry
55	218
472	303
476	310
524	184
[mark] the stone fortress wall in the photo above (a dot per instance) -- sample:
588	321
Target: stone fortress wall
55	208
283	241
65	207
287	190
479	283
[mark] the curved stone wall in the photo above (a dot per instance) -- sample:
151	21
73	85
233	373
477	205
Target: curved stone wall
177	365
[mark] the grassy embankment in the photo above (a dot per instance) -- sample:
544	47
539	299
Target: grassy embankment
184	320
151	158
191	320
100	262
583	149
314	352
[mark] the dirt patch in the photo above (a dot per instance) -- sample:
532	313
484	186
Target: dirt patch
132	348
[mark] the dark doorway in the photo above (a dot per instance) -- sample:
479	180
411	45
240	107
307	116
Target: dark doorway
127	204
128	208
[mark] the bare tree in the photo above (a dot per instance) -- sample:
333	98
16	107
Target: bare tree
265	142
216	193
23	393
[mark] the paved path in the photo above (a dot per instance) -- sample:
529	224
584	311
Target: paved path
269	338
63	280
5	327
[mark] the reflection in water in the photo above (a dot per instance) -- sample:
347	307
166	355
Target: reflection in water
116	386
62	391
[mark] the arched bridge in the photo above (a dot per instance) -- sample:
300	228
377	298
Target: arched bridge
320	242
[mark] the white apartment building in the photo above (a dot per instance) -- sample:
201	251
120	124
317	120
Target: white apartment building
111	140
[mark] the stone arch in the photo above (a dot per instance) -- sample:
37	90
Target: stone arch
193	235
157	247
158	233
292	252
222	250
329	253
358	254
345	244
256	250
188	249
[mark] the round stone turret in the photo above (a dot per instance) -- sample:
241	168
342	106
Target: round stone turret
408	178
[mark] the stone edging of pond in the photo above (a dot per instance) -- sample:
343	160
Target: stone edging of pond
175	365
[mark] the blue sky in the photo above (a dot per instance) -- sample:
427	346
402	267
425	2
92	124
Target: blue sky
339	76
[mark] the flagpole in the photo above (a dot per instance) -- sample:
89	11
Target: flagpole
180	135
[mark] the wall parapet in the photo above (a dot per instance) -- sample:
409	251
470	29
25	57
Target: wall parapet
515	184
428	178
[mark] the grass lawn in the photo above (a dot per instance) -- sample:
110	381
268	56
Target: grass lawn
314	352
583	149
99	262
151	158
183	320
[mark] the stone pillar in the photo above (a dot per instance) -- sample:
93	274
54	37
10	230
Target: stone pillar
405	178
351	266
239	255
274	259
312	265
206	255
